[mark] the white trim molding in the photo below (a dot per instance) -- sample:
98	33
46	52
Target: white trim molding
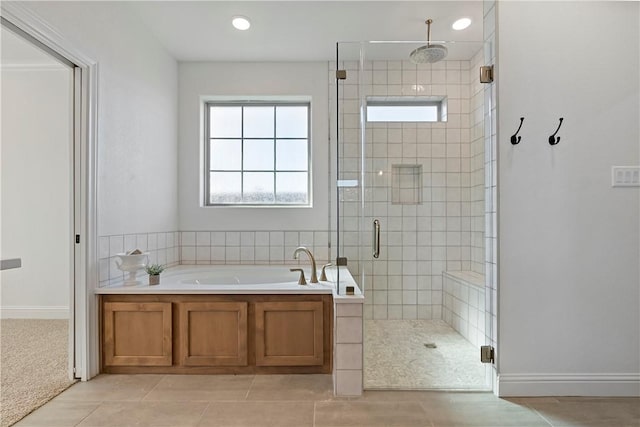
34	312
569	385
32	67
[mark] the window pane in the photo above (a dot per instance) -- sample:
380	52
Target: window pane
225	122
292	154
225	187
226	154
291	187
258	122
402	113
258	154
291	122
258	187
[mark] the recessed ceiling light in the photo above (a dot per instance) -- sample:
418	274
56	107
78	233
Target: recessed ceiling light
461	24
241	23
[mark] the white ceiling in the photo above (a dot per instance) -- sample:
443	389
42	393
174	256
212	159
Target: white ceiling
305	30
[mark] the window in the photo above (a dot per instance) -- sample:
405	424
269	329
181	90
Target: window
257	154
407	109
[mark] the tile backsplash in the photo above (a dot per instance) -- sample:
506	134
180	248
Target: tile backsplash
211	247
163	248
251	247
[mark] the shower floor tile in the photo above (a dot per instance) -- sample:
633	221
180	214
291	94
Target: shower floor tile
397	355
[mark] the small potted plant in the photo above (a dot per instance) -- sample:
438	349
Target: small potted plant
154	270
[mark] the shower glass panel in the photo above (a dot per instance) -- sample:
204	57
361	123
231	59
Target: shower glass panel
410	210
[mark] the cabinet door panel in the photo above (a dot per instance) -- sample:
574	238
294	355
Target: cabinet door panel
213	333
289	333
137	334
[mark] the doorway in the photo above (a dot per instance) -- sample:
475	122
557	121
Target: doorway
39	204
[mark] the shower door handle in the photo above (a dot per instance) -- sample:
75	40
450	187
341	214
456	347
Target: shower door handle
376	238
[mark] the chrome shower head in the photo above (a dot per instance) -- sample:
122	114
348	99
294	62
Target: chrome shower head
430	52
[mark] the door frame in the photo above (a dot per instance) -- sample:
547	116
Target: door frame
83	321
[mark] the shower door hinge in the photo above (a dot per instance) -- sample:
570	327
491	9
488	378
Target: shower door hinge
77	238
486	74
487	354
341	261
341	74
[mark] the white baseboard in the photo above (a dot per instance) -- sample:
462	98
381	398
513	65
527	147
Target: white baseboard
568	385
34	312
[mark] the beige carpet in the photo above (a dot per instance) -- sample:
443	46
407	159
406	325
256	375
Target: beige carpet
420	355
33	365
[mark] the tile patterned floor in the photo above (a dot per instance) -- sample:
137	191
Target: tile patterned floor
307	400
396	357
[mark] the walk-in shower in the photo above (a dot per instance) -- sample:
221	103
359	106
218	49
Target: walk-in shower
410	168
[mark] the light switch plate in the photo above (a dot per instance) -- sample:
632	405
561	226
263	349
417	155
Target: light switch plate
625	176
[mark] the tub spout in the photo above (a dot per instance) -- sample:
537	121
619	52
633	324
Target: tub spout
314	276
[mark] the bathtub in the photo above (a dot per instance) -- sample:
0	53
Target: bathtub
235	279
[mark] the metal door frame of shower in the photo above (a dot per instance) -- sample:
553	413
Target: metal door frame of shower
83	308
489	258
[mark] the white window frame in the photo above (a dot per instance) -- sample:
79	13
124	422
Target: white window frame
207	156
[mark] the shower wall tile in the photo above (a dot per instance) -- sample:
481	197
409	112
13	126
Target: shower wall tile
477	169
463	306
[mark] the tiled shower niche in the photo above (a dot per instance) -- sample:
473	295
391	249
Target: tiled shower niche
406	184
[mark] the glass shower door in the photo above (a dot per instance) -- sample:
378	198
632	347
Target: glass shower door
414	211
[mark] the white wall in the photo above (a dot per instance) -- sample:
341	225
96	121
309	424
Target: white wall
250	79
569	243
36	190
137	115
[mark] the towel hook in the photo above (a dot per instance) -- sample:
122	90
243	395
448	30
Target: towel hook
515	139
552	139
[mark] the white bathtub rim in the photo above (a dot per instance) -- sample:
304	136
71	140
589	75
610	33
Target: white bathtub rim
169	286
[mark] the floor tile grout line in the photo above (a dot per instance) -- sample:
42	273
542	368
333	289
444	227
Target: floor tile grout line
89	414
142	399
199	422
246	396
540	415
313	420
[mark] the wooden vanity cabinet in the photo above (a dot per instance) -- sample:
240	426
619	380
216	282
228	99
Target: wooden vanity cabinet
217	334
